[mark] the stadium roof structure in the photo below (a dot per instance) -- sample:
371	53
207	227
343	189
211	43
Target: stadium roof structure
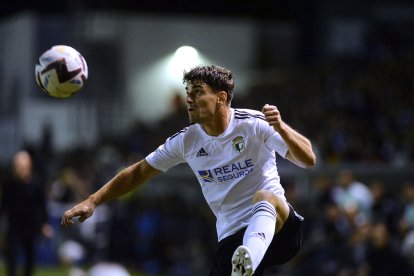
256	9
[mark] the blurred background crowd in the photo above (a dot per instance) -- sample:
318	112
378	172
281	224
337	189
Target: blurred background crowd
352	96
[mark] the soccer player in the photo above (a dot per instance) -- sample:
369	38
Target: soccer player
232	154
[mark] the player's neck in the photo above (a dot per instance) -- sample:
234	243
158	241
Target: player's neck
219	123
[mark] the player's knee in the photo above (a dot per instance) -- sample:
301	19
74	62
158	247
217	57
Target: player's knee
265	195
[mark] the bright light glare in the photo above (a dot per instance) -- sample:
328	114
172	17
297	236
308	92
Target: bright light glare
167	74
184	58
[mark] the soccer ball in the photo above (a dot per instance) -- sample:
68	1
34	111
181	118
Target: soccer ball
61	72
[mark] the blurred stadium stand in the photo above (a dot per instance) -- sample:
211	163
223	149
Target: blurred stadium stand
341	72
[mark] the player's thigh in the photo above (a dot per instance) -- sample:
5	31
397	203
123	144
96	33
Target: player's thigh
282	208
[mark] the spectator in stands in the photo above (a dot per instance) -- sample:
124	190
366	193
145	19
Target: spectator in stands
353	197
23	203
383	257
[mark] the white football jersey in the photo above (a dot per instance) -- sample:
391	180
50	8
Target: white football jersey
230	167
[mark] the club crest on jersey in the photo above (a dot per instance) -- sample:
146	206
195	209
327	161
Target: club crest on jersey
238	144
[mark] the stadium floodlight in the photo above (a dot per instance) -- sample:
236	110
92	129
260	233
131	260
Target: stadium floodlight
184	58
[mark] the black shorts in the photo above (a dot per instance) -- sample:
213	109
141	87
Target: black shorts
285	245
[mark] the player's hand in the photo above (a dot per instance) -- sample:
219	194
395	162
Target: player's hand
83	211
272	115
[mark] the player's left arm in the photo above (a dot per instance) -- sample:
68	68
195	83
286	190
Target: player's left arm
299	147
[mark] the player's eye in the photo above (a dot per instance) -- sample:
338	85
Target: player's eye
194	94
198	93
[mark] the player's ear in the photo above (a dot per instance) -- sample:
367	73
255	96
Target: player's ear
222	97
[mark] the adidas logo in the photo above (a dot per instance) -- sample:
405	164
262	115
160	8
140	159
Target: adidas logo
201	152
261	236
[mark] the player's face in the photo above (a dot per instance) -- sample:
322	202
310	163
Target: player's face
201	102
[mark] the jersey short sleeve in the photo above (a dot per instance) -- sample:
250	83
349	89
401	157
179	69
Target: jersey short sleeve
272	139
167	155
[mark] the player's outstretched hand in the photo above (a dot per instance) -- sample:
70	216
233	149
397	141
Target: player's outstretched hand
273	116
83	211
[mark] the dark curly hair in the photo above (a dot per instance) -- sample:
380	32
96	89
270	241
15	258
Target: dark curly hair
218	78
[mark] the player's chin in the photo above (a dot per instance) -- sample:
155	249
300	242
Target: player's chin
192	118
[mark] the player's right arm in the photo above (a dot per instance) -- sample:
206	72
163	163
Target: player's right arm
299	147
124	182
